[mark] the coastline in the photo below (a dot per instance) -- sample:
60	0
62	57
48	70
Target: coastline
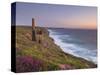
69	53
64	48
46	54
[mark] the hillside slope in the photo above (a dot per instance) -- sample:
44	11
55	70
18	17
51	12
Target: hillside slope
43	56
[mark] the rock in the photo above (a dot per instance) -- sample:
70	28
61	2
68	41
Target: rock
28	35
65	66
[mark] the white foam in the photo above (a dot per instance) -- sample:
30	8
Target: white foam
73	48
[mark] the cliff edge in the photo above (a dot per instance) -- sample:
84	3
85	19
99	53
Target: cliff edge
43	54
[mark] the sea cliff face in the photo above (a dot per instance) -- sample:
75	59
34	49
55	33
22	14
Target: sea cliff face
43	54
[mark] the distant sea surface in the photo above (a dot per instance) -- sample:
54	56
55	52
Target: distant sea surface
78	42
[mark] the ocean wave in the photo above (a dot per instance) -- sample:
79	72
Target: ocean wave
73	48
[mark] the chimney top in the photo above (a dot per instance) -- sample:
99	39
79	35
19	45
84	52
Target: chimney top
33	23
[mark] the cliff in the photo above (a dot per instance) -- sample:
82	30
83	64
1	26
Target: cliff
44	55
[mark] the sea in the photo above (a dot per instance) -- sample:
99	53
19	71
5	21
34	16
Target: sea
78	42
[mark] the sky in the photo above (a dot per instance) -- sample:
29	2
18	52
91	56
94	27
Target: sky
61	16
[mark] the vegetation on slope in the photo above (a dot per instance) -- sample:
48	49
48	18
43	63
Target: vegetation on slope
44	56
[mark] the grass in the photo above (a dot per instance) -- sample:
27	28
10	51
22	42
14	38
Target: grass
45	56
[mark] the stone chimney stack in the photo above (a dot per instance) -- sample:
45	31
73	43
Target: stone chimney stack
33	30
33	24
